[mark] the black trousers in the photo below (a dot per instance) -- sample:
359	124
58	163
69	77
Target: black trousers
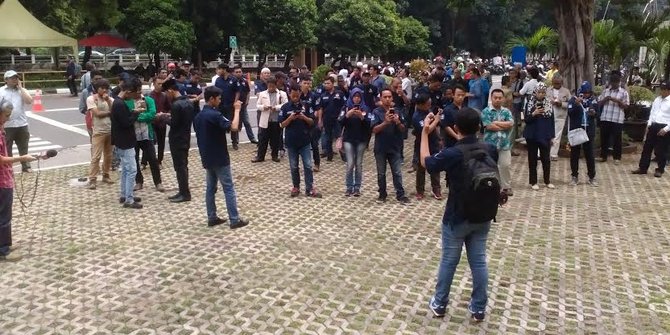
316	145
6	200
72	85
160	132
658	144
148	153
533	146
180	163
610	133
421	180
21	136
270	135
576	152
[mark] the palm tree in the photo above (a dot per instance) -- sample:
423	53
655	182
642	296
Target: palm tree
542	41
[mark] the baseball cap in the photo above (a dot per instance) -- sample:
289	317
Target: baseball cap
171	65
186	63
665	85
10	73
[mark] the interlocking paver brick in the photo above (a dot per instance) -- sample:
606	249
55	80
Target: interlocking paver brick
575	260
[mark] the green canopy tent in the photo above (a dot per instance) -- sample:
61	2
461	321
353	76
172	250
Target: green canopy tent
22	30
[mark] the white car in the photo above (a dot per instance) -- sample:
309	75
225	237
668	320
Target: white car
93	54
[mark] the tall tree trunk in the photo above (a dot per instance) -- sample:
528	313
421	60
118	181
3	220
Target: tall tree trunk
575	27
287	62
261	61
157	60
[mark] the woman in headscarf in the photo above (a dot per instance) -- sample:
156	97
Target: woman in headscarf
355	124
539	134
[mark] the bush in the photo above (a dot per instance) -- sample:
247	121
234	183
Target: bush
639	94
416	67
320	74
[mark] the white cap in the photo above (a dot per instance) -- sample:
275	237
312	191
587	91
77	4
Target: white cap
344	73
359	64
10	73
266	70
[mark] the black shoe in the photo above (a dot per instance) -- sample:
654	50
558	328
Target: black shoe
239	224
404	200
601	160
658	174
134	205
381	198
329	158
276	159
235	146
174	196
180	199
254	141
638	171
216	222
123	200
257	160
323	155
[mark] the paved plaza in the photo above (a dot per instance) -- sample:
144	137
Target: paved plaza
574	260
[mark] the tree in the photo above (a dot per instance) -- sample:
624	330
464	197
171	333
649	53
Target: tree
214	21
95	19
277	27
414	41
541	42
350	27
155	26
575	27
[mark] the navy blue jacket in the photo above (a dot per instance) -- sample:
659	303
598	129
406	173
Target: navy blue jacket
229	88
297	133
451	161
539	128
331	103
390	139
356	130
210	129
576	115
448	119
433	138
370	94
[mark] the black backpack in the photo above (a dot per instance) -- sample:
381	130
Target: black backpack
481	192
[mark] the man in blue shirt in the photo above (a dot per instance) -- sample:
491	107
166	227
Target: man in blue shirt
244	89
377	80
423	106
370	92
308	99
330	104
209	127
388	127
229	90
297	122
456	231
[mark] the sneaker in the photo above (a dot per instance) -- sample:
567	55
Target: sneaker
160	188
295	192
437	194
535	187
658	174
314	194
357	193
123	200
134	205
12	256
239	223
419	196
138	187
216	222
107	180
476	316
348	193
638	171
404	200
617	162
593	182
437	309
381	198
315	168
551	186
574	181
91	185
235	146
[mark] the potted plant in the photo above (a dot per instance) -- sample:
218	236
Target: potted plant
637	112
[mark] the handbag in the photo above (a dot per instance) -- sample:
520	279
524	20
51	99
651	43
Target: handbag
577	137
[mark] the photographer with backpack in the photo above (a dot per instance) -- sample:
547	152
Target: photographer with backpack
472	170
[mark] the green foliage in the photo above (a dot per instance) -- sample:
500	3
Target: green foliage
278	26
415	41
638	94
542	41
320	74
416	67
155	25
349	27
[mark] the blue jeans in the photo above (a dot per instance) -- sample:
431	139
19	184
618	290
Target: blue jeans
354	153
304	153
474	237
224	175
331	131
395	160
128	173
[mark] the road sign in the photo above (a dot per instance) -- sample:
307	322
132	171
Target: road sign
232	42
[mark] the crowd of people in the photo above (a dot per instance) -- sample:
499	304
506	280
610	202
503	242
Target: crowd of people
459	124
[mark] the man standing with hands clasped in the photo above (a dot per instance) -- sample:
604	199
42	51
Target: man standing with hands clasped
16	127
498	122
657	137
210	128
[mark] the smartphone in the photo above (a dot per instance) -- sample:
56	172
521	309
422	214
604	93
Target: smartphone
357	106
392	111
539	105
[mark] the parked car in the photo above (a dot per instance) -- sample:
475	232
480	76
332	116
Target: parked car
93	53
124	51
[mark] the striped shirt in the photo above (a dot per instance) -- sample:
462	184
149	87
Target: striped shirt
612	111
6	173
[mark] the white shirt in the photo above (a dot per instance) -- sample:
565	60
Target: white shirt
18	117
216	76
497	60
529	87
660	112
407	86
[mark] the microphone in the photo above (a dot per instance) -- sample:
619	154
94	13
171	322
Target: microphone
48	154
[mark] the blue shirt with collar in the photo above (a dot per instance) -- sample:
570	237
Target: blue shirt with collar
433	139
229	88
297	133
260	86
331	103
451	161
244	89
390	139
379	82
210	130
448	119
435	96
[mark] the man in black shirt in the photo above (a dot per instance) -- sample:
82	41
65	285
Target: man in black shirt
181	119
123	137
243	89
